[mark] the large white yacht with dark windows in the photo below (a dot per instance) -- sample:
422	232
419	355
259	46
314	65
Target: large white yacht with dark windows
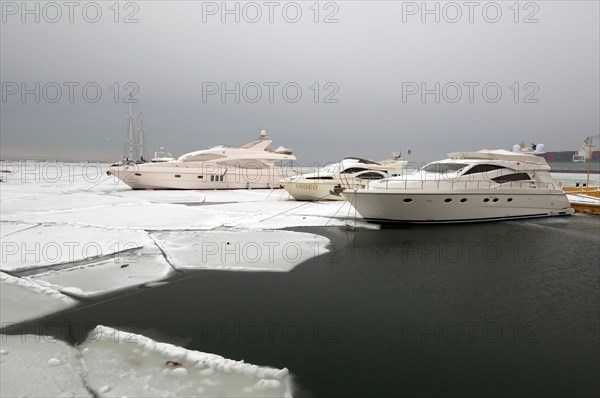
349	173
252	165
468	187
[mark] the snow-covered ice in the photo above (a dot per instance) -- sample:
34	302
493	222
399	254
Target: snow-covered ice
48	245
136	267
152	216
584	199
9	228
114	363
39	366
119	363
240	250
22	300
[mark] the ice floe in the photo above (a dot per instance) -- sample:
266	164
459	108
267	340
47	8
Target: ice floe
58	202
114	363
40	366
22	300
119	363
202	197
133	268
583	199
240	250
51	245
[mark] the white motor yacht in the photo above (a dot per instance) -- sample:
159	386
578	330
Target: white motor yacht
349	173
468	187
252	165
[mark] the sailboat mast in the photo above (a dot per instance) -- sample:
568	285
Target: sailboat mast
589	160
141	138
131	137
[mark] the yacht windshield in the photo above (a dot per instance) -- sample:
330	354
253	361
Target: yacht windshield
444	168
331	168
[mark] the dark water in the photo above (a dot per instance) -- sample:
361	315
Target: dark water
497	309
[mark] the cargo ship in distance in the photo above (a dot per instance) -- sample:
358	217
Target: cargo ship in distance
579	161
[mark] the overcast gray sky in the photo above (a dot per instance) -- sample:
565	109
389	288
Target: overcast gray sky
502	73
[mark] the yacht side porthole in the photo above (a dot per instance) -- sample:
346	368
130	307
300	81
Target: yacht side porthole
463	200
407	200
448	200
177	175
486	200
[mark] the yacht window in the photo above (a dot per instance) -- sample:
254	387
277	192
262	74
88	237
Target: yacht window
486	200
370	176
199	176
509	200
177	175
353	170
407	200
495	200
212	178
512	177
447	200
483	168
320	178
444	168
463	200
138	174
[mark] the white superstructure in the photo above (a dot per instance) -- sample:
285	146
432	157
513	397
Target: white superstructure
468	187
252	165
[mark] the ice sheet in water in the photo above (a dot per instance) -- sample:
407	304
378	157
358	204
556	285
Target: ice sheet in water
132	268
47	245
22	300
153	216
56	202
112	363
126	364
39	366
240	250
203	197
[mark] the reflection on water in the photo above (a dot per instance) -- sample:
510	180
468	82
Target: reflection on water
494	309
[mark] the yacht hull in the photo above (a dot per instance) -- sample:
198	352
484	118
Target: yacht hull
312	191
389	207
197	178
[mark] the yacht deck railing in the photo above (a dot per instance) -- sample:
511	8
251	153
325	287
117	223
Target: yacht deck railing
462	185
